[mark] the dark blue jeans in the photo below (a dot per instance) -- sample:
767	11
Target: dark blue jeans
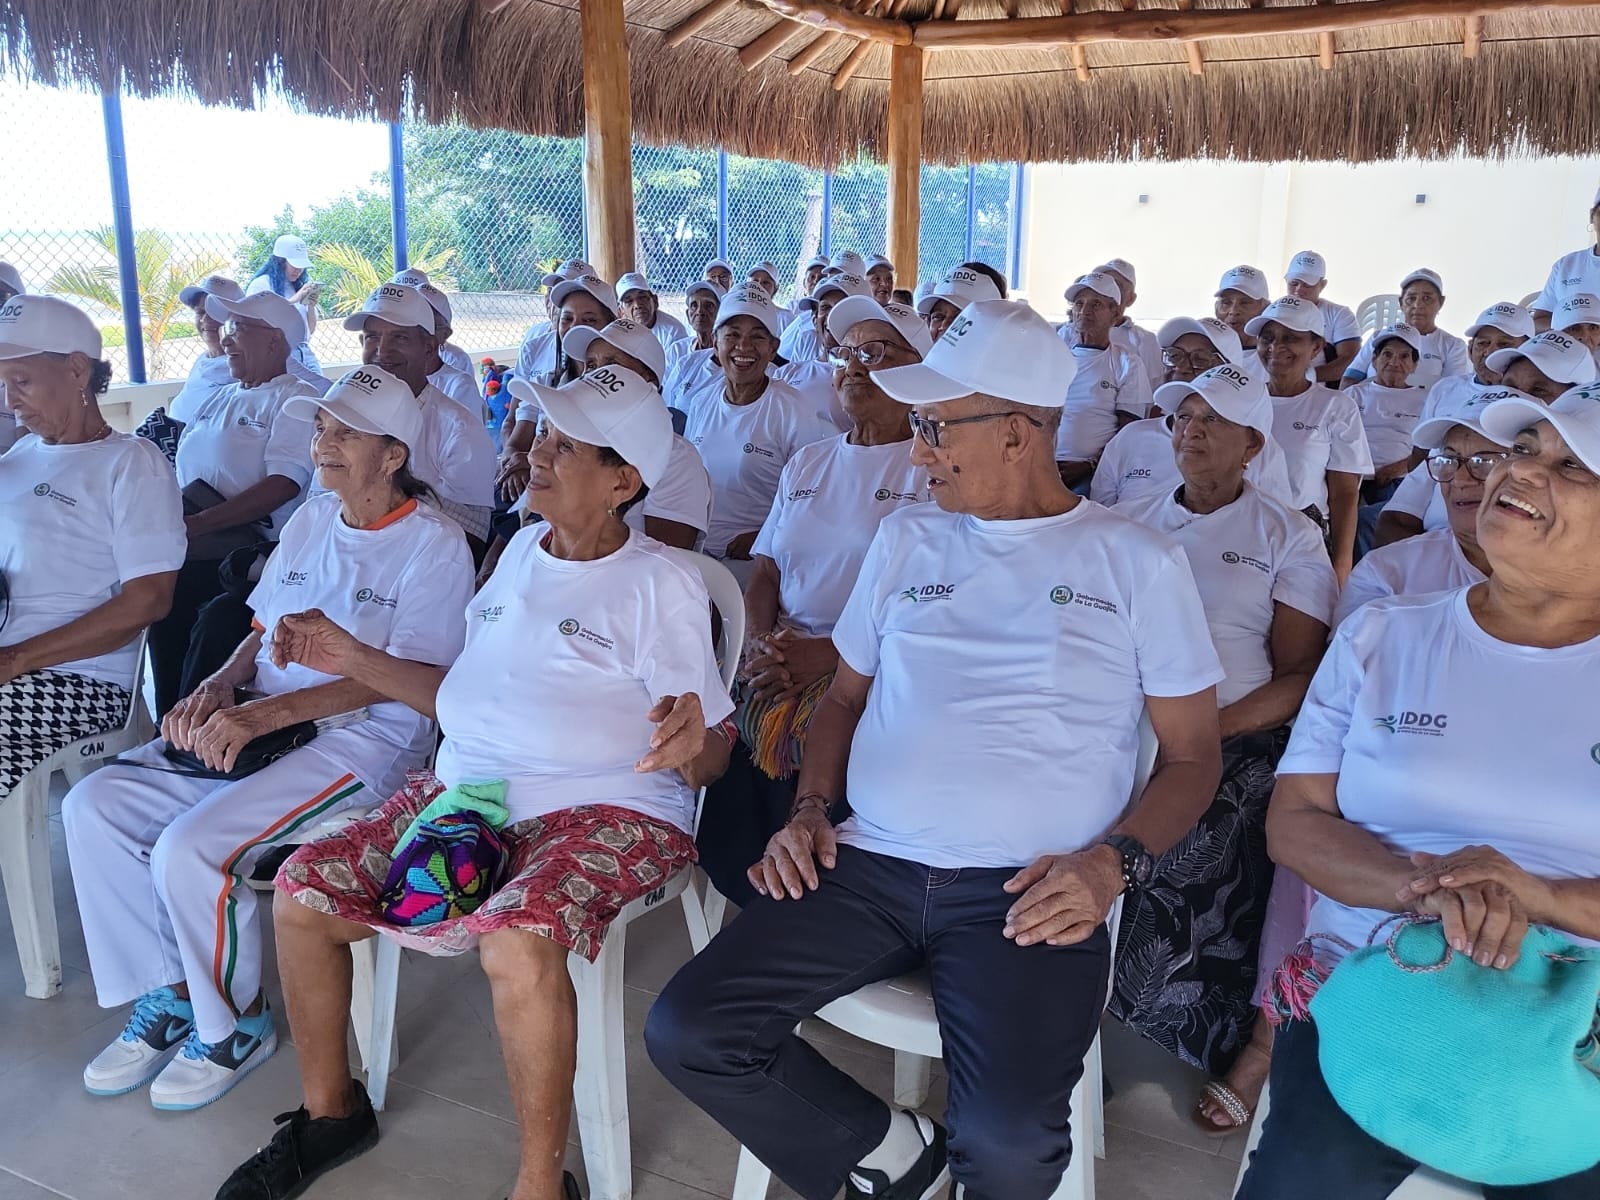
1311	1150
1015	1021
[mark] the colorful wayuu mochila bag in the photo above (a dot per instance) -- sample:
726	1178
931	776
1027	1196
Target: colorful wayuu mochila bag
450	859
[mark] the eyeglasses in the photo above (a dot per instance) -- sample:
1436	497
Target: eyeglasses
1197	360
233	327
931	431
1442	465
868	354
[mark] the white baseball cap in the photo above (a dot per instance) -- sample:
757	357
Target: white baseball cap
1558	355
293	250
1307	267
625	335
45	325
719	262
855	309
1575	414
1097	282
395	303
570	268
11	278
369	399
1233	394
1122	267
211	285
924	290
850	263
263	306
1222	338
997	347
610	406
1251	281
960	287
633	281
1423	275
847	284
770	268
1580	308
749	300
816	260
1401	330
1510	319
591	283
1292	313
705	285
440	303
1470	413
874	261
411	277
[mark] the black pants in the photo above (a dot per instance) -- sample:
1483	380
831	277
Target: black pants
742	811
1015	1022
1311	1150
169	637
219	627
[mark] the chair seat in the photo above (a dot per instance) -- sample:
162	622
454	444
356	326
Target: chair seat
897	1013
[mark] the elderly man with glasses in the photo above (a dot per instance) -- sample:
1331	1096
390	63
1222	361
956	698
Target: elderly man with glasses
995	656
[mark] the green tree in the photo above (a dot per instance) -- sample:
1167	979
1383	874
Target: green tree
163	274
357	274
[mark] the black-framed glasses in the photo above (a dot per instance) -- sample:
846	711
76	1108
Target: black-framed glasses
1196	360
1443	466
931	431
868	354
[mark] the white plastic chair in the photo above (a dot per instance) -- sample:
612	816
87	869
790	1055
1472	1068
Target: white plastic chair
1424	1184
600	1090
25	839
1378	312
899	1014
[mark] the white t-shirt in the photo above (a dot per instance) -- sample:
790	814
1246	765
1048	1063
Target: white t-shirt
579	652
1246	557
206	377
454	356
1107	382
1430	723
1319	431
399	586
696	372
458	386
536	357
799	342
239	436
814	382
10	431
315	380
1139	461
1575	272
1339	324
745	447
1448	397
456	455
1143	345
1388	416
1009	662
76	524
679	350
1429	562
1442	354
668	329
831	499
1419	496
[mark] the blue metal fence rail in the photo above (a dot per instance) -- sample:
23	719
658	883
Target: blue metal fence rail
122	223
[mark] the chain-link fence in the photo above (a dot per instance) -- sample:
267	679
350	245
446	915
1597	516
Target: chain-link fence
487	213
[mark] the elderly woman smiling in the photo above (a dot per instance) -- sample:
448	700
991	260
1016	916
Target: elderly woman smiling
1382	820
1187	967
160	848
833	495
604	638
91	539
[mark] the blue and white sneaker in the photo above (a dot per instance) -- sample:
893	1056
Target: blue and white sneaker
203	1073
156	1029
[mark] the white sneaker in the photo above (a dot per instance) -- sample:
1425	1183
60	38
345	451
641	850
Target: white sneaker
156	1030
203	1073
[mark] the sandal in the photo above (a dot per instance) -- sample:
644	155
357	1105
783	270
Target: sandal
1230	1102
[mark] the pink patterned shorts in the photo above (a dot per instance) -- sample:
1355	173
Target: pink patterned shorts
571	872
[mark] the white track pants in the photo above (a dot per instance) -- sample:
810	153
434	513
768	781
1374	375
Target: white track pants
158	861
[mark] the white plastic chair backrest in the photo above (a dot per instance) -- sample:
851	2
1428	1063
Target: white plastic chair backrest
1377	312
728	599
1144	764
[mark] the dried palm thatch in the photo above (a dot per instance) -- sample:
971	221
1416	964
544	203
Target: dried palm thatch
1394	90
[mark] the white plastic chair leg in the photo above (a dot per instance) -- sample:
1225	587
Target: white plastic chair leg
753	1177
1092	1116
600	1090
913	1076
694	915
25	866
1077	1181
374	993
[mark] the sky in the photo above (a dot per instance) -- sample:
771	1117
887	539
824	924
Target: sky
190	168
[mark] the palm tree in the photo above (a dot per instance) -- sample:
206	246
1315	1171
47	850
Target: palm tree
162	275
359	275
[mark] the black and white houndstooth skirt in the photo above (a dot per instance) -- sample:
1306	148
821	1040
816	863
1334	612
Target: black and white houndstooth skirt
42	711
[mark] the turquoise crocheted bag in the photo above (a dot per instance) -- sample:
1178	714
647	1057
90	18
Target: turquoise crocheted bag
1475	1072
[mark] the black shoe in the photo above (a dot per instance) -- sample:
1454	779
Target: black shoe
927	1175
301	1151
569	1187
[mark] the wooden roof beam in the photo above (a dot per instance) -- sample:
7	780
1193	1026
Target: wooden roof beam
840	19
1471	37
1165	25
698	20
764	45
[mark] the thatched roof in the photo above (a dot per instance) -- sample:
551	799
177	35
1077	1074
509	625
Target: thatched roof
1392	90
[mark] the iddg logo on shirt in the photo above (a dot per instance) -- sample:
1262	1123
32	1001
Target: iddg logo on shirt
44	490
1428	724
296	578
494	612
803	493
752	448
368	596
928	592
1139	473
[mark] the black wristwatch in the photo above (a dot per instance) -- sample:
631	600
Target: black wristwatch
1138	864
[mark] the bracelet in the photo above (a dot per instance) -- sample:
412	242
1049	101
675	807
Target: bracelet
804	802
728	730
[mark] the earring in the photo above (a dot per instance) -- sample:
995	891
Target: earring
611	512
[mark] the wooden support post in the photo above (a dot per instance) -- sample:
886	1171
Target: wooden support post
905	158
607	138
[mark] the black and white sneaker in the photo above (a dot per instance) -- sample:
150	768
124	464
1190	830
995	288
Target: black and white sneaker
927	1175
302	1151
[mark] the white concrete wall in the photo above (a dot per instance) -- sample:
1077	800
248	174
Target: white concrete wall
1491	229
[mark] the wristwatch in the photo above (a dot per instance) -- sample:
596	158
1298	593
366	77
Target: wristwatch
1138	864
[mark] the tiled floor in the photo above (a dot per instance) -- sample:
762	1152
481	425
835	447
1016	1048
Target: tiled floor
448	1131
